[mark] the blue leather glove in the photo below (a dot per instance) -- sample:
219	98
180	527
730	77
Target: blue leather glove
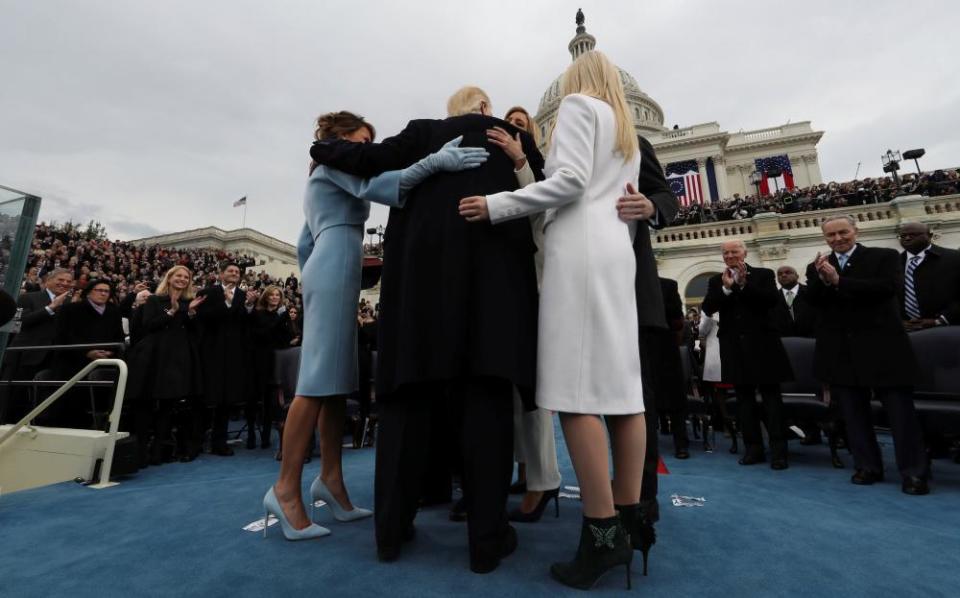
450	158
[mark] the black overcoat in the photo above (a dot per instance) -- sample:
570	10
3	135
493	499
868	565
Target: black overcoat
165	362
804	319
652	183
457	299
37	327
937	284
860	337
667	368
750	348
269	331
225	348
80	323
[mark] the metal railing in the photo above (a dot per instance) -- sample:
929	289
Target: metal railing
78	380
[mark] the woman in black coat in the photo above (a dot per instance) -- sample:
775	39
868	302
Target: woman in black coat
92	319
165	366
270	330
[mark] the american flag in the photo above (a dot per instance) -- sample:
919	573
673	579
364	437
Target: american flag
684	181
781	163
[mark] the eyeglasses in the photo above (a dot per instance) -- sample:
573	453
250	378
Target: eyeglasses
99	290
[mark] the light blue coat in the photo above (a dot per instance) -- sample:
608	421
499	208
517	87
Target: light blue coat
330	252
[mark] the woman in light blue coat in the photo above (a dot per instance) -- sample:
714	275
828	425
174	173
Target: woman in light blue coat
330	251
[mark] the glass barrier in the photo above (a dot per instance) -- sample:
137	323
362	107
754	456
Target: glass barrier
18	219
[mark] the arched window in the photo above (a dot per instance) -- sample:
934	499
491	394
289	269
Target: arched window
697	289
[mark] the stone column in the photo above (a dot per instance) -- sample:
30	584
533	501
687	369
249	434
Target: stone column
704	183
720	171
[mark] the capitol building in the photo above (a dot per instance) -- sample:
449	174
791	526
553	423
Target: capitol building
722	163
722	160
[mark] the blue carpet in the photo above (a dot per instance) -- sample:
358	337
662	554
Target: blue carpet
176	530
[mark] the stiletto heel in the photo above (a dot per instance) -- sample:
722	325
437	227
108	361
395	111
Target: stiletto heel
272	506
604	545
640	527
319	491
534	515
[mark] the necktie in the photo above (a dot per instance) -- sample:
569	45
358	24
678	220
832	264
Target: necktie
910	304
789	296
842	260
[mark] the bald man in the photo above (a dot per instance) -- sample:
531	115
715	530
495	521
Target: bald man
930	295
752	357
793	315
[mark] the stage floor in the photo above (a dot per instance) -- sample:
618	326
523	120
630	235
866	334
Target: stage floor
176	530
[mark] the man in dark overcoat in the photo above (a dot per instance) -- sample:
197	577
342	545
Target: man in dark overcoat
458	319
752	357
793	315
38	327
653	206
863	351
225	351
930	295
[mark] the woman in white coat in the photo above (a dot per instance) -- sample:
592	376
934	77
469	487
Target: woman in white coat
588	363
709	326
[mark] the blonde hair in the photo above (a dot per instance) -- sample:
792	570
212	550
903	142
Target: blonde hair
594	75
164	287
466	100
531	122
262	301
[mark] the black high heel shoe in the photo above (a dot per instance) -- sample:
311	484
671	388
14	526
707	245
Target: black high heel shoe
533	516
638	524
604	544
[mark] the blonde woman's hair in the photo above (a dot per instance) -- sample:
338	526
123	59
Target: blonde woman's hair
466	100
594	75
531	122
262	301
164	287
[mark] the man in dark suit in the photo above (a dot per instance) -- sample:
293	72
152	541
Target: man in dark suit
792	315
653	206
458	323
225	350
862	348
38	326
930	295
751	355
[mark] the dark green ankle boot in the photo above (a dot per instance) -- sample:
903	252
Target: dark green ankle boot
604	544
637	522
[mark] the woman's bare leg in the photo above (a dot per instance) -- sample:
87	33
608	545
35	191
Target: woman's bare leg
297	431
331	448
586	440
628	440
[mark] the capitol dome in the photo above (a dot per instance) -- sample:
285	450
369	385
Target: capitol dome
647	114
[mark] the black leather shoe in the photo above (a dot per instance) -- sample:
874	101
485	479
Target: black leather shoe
222	450
915	486
391	552
681	453
865	477
486	564
778	464
458	512
752	459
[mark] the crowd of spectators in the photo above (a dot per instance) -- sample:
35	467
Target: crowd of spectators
130	267
822	197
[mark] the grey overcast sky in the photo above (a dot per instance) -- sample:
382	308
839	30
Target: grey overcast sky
155	116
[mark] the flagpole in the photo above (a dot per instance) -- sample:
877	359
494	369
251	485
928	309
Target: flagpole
243	219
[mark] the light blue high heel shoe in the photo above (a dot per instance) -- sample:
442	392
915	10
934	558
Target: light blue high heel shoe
319	491
272	506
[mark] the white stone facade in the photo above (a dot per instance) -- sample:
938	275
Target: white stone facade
690	254
730	156
276	258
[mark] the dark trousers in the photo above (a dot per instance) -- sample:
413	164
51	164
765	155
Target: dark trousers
219	425
904	425
403	455
17	401
678	427
650	484
748	414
